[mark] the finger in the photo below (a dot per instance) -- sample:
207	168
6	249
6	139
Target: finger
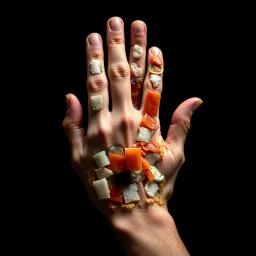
97	83
137	60
180	123
118	67
72	125
153	81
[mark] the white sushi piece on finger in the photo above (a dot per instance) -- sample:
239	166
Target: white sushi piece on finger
101	189
130	193
136	70
157	174
144	134
155	80
96	67
151	188
152	158
137	176
137	51
101	159
103	172
96	102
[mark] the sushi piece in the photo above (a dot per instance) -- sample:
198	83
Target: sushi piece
137	51
95	67
155	80
152	158
151	188
96	102
157	174
101	189
103	172
136	70
144	134
101	159
130	193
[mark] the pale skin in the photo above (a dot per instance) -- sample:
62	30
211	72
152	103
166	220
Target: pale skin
148	229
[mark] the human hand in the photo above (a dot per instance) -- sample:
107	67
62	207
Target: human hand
126	84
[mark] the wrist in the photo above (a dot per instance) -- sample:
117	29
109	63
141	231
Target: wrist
148	230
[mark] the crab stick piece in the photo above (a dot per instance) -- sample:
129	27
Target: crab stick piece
116	162
148	122
152	103
133	158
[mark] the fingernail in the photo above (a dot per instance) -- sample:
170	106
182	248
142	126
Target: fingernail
197	105
94	40
115	24
155	51
67	101
139	28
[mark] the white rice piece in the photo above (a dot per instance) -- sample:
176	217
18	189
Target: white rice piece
101	159
136	70
96	102
155	80
130	193
151	188
137	51
144	134
157	174
137	176
103	172
152	158
96	67
102	189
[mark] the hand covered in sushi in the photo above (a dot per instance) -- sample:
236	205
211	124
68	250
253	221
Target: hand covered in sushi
121	157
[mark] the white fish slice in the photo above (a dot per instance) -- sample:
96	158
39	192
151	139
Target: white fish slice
130	193
96	102
101	159
157	174
155	80
152	158
103	172
151	188
96	67
101	188
144	134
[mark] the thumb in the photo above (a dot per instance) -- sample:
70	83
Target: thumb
180	123
72	125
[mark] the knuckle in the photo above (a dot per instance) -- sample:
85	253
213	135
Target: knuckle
127	122
119	71
76	160
180	157
96	84
184	124
104	131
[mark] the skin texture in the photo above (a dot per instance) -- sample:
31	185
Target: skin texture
135	229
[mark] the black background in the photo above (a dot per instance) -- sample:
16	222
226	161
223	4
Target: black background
196	51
